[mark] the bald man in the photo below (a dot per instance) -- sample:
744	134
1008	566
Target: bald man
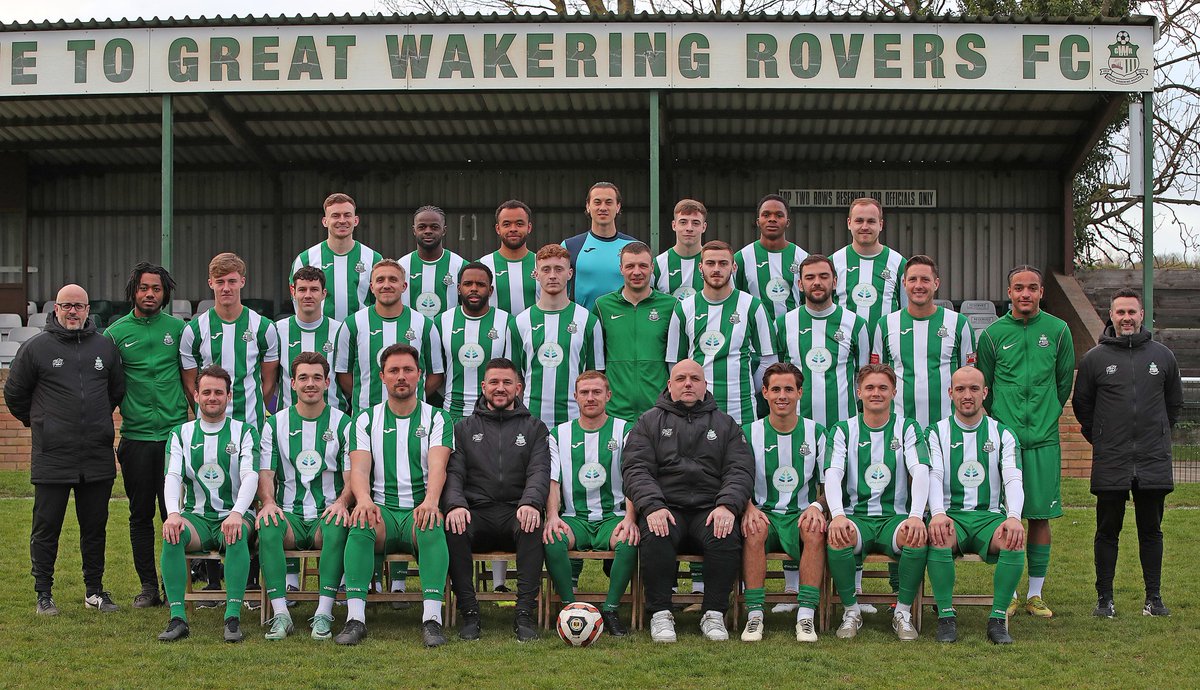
64	384
689	473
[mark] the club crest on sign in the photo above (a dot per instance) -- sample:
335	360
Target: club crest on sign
1124	66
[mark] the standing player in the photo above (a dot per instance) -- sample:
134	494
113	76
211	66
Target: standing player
344	260
473	334
784	514
974	459
431	269
148	340
513	264
308	330
398	454
593	254
237	339
559	339
368	331
869	273
874	507
305	447
634	320
1027	359
587	509
768	268
924	344
209	488
675	270
728	332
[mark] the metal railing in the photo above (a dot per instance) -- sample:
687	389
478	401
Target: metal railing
1186	435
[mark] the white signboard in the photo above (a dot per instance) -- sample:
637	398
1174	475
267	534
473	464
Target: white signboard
841	198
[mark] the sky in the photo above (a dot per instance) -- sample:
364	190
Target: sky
12	11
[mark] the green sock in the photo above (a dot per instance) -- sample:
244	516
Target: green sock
399	572
756	599
1039	559
237	569
270	556
841	566
624	564
809	597
894	576
433	562
941	576
1005	580
333	554
559	567
912	573
791	565
175	572
359	561
576	570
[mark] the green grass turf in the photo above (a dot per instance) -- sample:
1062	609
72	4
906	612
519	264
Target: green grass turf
84	648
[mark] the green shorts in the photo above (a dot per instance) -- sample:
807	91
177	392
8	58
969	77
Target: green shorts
877	533
305	531
593	536
1041	473
209	530
975	529
400	526
783	533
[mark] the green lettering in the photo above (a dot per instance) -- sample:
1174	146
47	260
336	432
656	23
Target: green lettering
180	67
615	46
222	59
1033	51
691	64
845	57
581	51
81	48
409	53
887	49
22	61
456	58
760	56
341	54
495	55
305	61
261	57
538	49
650	54
118	60
968	47
805	56
1067	52
927	52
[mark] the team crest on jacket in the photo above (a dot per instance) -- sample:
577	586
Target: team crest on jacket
231	449
520	440
838	335
886	274
168	340
988	447
410	334
1153	368
942	332
895	444
734	318
421	433
447	280
795	267
805	449
360	267
1043	341
666	433
57	362
1110	369
247	337
711	435
653	315
493	335
612	444
477	438
100	365
327	436
572	328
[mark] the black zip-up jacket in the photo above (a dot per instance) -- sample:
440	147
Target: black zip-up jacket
64	385
500	457
1128	395
687	458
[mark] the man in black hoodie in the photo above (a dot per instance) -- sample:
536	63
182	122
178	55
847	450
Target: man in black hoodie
1128	395
689	473
496	488
64	383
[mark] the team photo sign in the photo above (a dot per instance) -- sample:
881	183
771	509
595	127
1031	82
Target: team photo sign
564	56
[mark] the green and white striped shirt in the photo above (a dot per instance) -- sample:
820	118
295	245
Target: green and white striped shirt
829	348
239	347
295	338
399	448
787	467
365	335
211	465
676	275
869	286
432	285
308	457
587	467
557	346
515	288
468	344
924	352
975	463
770	276
876	464
727	338
347	276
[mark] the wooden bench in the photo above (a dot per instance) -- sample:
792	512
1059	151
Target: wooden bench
829	594
551	599
773	598
962	599
192	595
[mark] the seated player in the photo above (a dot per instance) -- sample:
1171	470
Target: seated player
398	454
209	488
975	460
784	514
873	506
304	447
586	509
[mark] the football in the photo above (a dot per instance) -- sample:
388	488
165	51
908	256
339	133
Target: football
579	624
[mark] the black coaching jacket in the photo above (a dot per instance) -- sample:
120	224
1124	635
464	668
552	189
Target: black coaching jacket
500	457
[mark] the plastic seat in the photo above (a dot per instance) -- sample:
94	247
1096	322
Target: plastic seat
8	322
38	320
977	306
23	333
8	350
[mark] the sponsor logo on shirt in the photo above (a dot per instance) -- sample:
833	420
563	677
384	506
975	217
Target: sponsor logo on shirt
589	249
666	433
592	475
1110	369
477	438
128	345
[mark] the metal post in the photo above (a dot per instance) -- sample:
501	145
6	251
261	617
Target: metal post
655	165
168	179
1148	207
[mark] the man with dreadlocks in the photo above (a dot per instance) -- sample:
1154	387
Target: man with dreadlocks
148	341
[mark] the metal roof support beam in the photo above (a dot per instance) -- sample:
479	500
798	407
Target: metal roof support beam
168	182
1148	208
237	134
655	171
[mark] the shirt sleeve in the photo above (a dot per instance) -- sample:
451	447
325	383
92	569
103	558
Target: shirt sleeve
441	432
937	474
247	473
344	350
764	332
966	343
862	342
173	484
596	346
835	470
268	456
432	346
677	337
555	463
1064	366
1010	471
360	436
270	342
188	352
